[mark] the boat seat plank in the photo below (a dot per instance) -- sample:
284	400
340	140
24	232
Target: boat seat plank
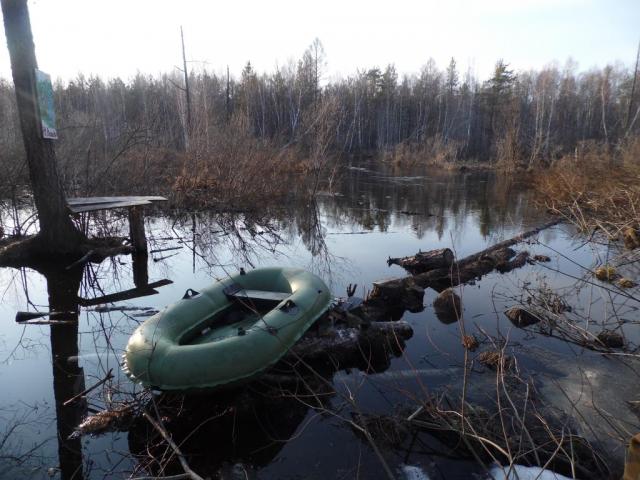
261	295
235	291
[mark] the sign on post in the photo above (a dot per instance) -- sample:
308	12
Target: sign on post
44	91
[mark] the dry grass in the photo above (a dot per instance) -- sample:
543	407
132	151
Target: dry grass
596	189
233	168
237	172
434	151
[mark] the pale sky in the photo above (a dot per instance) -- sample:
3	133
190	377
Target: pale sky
120	37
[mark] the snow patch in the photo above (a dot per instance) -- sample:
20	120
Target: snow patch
519	472
346	333
413	472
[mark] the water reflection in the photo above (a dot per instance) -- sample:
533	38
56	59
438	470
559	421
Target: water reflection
63	286
68	377
251	425
345	237
433	201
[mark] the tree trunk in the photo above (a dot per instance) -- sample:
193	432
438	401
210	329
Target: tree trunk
57	232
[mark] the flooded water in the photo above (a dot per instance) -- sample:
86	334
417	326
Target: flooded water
345	237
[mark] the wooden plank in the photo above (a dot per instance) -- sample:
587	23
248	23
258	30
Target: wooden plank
124	295
106	206
96	200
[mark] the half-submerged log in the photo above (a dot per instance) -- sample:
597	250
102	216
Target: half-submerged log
469	268
518	262
343	342
448	306
610	339
520	317
408	292
389	298
425	261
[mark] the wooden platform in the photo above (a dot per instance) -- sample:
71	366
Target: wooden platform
133	204
92	204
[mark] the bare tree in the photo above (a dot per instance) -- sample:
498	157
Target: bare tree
57	232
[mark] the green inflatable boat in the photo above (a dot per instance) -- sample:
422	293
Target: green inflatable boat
226	333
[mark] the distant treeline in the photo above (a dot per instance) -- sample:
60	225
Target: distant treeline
527	118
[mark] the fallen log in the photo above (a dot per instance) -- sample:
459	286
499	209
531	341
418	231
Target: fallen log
425	261
407	292
469	268
512	241
340	344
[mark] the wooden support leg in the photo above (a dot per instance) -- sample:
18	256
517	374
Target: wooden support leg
136	229
140	269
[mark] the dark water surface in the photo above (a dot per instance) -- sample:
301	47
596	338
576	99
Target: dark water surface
345	238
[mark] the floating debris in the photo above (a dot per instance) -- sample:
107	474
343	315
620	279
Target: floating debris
541	258
626	283
470	342
105	421
631	238
605	273
494	359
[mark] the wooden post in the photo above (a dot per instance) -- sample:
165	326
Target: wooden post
57	232
140	262
136	229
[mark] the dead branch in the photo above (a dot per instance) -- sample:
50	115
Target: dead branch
108	377
187	470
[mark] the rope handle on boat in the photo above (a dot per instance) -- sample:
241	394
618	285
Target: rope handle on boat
190	293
